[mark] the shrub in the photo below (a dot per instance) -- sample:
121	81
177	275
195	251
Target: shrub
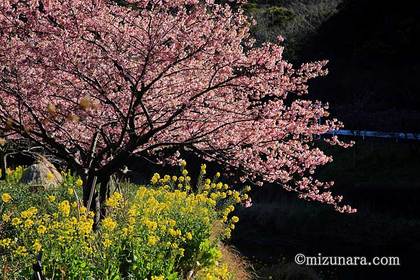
162	231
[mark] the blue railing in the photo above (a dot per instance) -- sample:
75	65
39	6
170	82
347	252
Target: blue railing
376	134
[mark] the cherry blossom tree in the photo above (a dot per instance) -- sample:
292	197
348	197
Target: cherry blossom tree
97	82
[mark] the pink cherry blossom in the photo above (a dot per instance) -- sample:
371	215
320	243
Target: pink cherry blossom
96	82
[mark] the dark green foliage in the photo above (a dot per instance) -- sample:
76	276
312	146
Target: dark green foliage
297	21
279	15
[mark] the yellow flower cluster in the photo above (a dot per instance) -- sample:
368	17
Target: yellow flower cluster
21	251
64	208
152	240
37	245
158	225
35	228
151	225
79	183
14	176
6	243
109	224
6	217
107	242
218	271
29	213
155	178
114	200
6	198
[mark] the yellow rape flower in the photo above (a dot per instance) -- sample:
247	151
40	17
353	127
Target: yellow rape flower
28	223
37	246
155	178
9	171
6	198
150	224
166	178
91	214
107	242
21	251
152	240
127	230
174	233
5	217
16	221
181	252
131	220
109	224
188	235
85	227
171	222
29	213
64	208
5	243
51	198
114	200
79	183
41	230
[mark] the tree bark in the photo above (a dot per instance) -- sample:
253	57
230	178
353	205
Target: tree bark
96	191
3	165
104	193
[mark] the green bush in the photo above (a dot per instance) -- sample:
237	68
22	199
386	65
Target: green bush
162	231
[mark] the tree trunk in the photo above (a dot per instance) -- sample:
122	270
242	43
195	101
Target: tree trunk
89	182
3	165
104	193
95	191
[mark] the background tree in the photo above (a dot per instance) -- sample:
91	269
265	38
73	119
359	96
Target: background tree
298	21
96	83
